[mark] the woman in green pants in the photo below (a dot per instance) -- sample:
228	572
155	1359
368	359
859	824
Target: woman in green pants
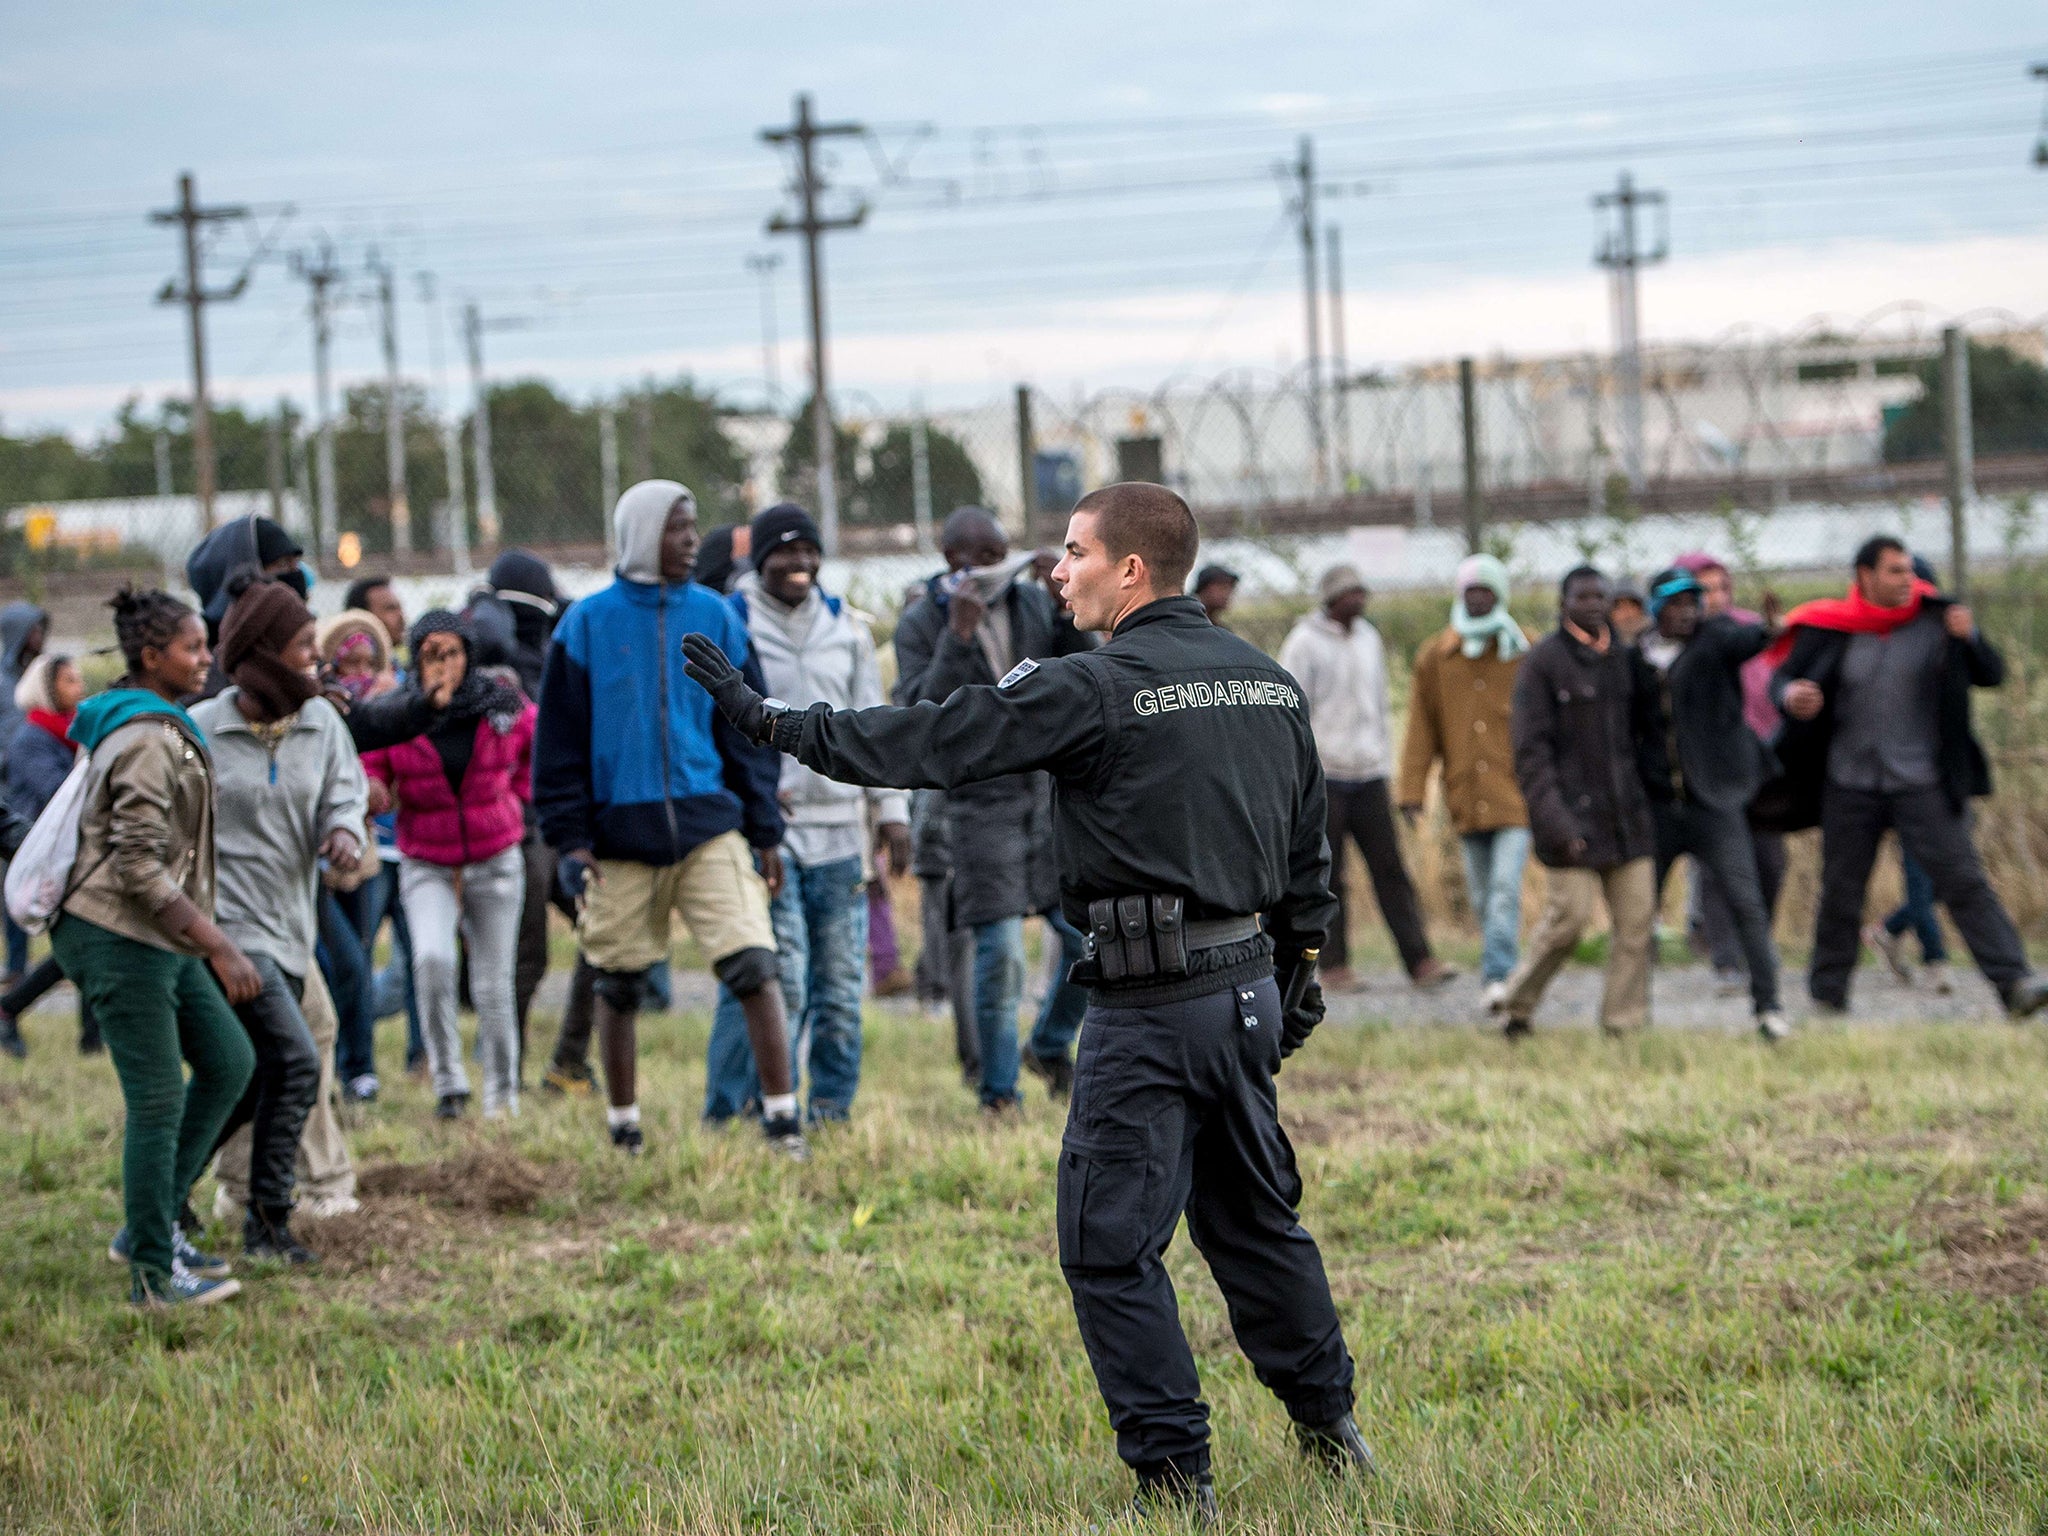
136	935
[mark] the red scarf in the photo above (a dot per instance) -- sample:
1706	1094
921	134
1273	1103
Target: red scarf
57	725
1851	615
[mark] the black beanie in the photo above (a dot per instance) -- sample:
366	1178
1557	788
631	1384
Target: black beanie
521	570
783	523
273	543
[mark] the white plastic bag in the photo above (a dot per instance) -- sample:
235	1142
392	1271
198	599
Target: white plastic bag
39	878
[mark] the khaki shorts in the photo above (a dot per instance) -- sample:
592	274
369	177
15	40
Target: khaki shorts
716	891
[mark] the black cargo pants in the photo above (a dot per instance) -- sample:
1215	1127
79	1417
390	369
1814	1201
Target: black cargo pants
1173	1110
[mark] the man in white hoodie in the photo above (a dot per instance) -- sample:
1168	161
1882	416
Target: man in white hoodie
812	649
1337	657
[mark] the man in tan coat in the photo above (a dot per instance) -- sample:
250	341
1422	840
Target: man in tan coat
1459	707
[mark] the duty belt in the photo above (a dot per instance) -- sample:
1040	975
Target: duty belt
1137	938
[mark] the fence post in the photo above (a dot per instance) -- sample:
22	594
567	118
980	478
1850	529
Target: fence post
1026	451
607	468
921	477
1468	411
1955	423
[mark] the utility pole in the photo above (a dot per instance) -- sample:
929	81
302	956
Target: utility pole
1622	255
195	296
455	512
1468	421
480	426
763	265
1303	207
805	133
1339	364
321	274
394	410
1960	453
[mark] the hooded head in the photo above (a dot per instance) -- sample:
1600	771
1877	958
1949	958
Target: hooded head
37	688
246	544
520	575
261	621
352	631
638	521
19	621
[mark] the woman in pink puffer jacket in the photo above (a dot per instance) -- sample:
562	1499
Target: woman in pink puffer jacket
461	793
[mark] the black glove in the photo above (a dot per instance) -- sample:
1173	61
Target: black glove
1301	1000
709	665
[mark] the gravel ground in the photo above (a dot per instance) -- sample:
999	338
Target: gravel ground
1681	997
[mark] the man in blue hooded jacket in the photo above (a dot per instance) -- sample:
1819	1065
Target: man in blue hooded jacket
652	801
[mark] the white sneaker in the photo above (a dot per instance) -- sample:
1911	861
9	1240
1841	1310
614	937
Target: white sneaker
1496	996
1938	978
1773	1026
226	1207
321	1207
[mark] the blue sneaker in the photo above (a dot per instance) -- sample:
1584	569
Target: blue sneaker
156	1293
204	1265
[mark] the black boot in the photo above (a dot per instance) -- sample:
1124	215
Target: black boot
267	1234
1337	1447
1172	1491
10	1037
2026	996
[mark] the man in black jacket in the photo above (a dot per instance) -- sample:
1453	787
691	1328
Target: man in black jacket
1716	766
1587	738
1876	690
977	621
1191	843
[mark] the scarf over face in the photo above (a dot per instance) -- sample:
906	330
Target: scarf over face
257	627
1473	634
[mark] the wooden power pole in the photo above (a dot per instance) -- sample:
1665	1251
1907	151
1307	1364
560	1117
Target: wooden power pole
195	296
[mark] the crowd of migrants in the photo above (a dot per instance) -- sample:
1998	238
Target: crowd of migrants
261	793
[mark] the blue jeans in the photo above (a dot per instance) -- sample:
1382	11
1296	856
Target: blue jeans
998	990
1917	912
346	965
821	942
391	988
1493	882
1059	1016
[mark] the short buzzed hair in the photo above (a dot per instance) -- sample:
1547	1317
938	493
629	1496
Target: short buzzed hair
1875	549
1136	517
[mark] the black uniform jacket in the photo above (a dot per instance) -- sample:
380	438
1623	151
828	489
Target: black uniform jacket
1816	656
1181	761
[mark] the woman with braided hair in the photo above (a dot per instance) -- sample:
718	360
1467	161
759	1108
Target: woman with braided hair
137	936
461	792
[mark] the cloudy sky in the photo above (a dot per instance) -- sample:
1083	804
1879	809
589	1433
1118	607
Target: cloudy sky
1073	194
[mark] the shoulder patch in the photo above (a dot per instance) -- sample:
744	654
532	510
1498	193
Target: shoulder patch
1019	672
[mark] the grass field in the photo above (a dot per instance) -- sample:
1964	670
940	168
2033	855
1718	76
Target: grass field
1675	1284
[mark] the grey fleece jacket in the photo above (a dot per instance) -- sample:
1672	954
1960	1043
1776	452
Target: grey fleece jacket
275	809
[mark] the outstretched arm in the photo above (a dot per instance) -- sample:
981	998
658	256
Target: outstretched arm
1052	718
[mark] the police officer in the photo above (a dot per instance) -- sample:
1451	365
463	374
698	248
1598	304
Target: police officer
1190	813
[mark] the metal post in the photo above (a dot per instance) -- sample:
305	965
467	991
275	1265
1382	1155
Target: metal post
1959	451
1623	255
921	478
394	414
1305	212
1340	384
480	428
607	467
1026	452
165	485
273	462
1468	412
